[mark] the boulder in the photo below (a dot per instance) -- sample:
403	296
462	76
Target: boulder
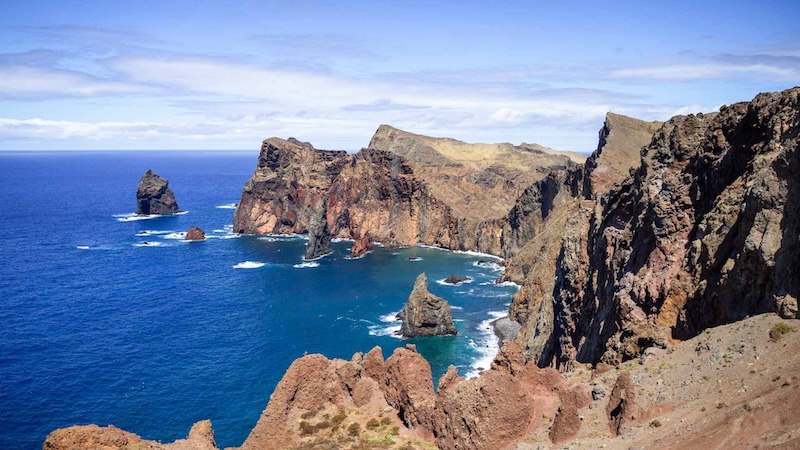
455	279
426	314
154	196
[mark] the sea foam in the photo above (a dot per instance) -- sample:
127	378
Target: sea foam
227	206
487	346
306	264
249	265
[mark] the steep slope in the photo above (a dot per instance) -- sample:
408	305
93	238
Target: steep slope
703	233
618	150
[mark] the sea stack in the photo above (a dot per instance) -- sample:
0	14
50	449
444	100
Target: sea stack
426	314
361	246
319	237
154	196
195	234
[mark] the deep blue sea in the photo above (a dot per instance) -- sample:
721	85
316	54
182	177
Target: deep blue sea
109	320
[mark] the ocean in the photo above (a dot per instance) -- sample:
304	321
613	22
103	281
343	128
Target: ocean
110	319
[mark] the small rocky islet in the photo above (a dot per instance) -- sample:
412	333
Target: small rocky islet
425	314
154	196
659	285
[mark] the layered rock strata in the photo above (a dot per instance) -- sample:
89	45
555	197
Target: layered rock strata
425	314
154	196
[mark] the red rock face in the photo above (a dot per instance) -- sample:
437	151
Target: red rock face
361	246
201	437
408	387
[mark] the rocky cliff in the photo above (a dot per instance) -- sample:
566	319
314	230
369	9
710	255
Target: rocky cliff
404	189
703	232
154	195
425	314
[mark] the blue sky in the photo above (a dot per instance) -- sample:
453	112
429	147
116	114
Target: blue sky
225	74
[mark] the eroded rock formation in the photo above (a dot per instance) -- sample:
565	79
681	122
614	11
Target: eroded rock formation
154	195
426	314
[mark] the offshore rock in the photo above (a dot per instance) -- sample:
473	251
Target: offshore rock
319	236
195	234
361	246
426	314
154	196
455	279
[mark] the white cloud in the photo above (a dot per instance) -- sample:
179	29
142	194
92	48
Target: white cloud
28	82
683	72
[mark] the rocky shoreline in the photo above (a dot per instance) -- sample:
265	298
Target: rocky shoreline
670	232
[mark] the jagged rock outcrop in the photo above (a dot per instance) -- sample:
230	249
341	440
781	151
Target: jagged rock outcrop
361	246
201	437
622	408
704	232
154	196
621	139
408	387
195	234
319	235
426	314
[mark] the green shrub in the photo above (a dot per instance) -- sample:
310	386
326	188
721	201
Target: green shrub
778	330
354	429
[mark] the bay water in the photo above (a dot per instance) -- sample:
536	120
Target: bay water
109	318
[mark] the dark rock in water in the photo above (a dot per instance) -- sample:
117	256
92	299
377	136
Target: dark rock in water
154	196
414	257
455	279
319	236
361	246
425	314
195	234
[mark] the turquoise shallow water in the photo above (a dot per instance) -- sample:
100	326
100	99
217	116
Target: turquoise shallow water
99	327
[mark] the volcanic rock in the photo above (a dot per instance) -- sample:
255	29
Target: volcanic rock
195	234
621	140
426	314
408	387
361	246
319	236
455	279
154	196
622	408
404	189
201	437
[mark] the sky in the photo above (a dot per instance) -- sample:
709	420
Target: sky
89	75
